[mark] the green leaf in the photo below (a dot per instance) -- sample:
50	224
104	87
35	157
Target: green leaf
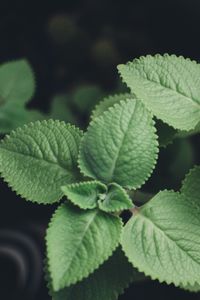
84	194
192	288
17	82
78	242
169	86
61	109
120	146
37	159
86	96
106	283
116	199
15	115
108	102
191	187
162	239
166	133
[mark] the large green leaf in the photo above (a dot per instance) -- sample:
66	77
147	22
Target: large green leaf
78	242
169	86
106	283
120	146
37	159
16	82
84	194
162	239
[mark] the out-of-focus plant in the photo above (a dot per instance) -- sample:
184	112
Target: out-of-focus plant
17	87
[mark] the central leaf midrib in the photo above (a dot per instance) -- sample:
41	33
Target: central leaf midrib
168	237
80	242
112	169
37	158
194	101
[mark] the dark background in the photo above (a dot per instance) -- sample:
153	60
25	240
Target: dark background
69	43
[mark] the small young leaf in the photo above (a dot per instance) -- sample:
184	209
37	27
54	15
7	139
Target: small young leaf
78	242
37	159
169	86
109	102
120	146
162	239
115	200
84	194
17	82
191	186
106	283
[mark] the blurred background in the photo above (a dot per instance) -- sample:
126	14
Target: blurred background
73	47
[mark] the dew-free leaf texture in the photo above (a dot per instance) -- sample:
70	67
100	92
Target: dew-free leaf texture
106	283
120	146
84	194
37	159
168	85
115	200
191	187
162	239
108	102
78	242
17	82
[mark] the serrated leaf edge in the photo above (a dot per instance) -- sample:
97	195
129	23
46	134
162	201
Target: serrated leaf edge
147	274
78	278
150	56
94	121
13	133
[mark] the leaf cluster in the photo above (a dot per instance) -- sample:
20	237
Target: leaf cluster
91	252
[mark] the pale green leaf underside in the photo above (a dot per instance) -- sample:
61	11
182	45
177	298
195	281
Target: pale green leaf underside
108	102
37	159
120	146
84	194
115	200
162	239
78	242
191	187
169	86
106	283
17	82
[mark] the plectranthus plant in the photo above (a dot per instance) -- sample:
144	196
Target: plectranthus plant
94	248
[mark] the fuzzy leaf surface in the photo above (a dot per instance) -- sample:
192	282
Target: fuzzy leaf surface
162	239
168	85
120	146
115	200
108	282
37	159
84	194
16	82
78	242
